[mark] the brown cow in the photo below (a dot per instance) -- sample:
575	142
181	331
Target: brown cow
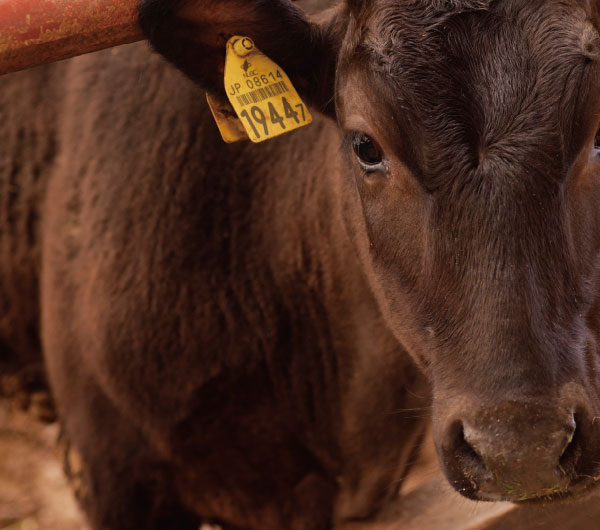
236	333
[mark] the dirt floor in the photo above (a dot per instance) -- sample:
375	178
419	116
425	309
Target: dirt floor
33	490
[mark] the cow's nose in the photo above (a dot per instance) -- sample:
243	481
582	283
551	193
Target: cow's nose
513	452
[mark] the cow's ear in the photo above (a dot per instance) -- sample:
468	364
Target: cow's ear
192	34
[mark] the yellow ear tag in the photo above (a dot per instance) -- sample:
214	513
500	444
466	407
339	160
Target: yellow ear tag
261	93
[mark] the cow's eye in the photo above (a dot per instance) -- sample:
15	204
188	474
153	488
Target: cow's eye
597	140
368	152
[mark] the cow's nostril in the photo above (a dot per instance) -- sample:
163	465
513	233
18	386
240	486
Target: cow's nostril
570	454
462	463
464	451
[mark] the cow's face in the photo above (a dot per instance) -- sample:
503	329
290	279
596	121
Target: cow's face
474	187
470	136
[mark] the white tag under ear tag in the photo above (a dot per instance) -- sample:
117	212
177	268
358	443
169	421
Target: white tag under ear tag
261	93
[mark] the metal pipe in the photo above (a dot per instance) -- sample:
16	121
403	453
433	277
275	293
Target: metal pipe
34	32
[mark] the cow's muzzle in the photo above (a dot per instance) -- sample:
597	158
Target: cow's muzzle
518	450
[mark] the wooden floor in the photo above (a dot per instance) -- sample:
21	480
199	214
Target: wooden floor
34	494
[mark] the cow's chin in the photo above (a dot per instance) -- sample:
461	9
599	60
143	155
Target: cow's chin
575	493
578	491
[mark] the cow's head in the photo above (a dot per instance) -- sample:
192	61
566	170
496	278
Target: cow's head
469	131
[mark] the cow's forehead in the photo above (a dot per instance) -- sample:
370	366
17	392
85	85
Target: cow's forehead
399	37
483	79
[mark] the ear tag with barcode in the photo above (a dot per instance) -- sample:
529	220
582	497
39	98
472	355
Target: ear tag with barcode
261	93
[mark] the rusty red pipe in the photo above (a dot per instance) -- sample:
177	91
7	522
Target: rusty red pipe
34	32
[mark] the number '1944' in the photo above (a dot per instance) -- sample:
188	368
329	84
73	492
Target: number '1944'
260	123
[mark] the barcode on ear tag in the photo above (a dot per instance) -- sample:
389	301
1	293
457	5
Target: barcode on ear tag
261	93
